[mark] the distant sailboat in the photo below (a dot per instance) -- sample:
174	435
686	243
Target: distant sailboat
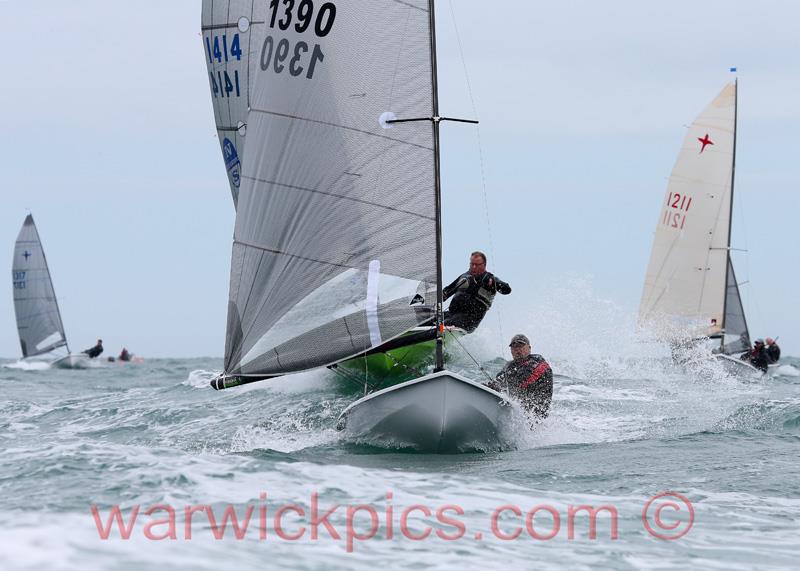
41	332
690	289
337	242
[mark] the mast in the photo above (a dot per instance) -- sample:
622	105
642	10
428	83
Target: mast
730	213
438	190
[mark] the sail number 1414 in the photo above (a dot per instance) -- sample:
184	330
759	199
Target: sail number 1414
222	48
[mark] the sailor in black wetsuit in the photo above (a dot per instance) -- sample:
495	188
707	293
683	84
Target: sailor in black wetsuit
757	356
773	351
528	378
96	350
473	293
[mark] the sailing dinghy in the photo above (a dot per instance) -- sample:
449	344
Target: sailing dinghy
41	332
690	290
337	241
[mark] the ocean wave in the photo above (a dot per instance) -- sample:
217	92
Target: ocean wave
200	379
27	365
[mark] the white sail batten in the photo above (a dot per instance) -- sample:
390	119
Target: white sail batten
685	285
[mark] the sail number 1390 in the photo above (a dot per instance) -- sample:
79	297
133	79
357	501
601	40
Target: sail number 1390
298	58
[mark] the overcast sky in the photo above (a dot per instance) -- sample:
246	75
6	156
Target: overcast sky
108	139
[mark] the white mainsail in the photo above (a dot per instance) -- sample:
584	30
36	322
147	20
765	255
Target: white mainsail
687	289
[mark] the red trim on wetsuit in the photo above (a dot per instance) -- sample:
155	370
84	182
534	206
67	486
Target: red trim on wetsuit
535	375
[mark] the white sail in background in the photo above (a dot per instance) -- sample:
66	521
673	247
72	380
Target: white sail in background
38	319
232	37
685	285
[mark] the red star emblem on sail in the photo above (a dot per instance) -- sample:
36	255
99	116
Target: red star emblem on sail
705	141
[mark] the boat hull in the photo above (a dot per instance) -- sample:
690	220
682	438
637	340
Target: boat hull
442	413
71	361
734	366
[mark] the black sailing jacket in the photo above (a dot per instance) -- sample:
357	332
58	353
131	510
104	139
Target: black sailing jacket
472	298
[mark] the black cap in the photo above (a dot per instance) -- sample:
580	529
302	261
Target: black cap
519	339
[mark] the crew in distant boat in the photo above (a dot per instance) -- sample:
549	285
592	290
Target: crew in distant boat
96	350
473	293
528	378
757	356
124	355
773	351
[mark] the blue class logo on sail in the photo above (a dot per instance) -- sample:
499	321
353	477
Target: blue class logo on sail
232	163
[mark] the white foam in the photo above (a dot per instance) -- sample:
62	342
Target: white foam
787	371
28	365
199	379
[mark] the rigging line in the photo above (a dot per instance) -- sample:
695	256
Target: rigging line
481	160
486	374
752	297
346	376
416	371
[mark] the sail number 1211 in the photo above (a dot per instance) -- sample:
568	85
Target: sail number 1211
677	207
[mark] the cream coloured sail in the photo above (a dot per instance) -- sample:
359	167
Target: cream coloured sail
686	282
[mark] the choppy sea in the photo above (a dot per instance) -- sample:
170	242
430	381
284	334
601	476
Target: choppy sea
174	460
